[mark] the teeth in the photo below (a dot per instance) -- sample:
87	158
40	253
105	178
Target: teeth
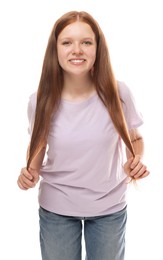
77	61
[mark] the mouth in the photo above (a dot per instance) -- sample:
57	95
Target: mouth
77	61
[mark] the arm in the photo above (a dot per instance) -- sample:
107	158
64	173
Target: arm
29	178
134	166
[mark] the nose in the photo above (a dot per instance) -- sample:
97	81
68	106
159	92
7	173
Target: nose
77	49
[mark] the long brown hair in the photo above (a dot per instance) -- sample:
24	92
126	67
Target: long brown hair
51	84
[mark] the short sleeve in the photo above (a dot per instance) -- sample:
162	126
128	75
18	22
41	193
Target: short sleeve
31	112
133	116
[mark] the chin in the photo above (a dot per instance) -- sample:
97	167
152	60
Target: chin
79	73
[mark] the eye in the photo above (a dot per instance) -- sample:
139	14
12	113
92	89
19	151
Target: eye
87	42
66	43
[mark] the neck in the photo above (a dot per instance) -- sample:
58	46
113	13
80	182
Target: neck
77	87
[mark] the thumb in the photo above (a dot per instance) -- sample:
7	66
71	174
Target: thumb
129	161
135	161
35	174
127	165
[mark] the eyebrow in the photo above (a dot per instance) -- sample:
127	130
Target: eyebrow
70	38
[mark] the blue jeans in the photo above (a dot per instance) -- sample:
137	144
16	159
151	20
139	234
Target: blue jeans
60	236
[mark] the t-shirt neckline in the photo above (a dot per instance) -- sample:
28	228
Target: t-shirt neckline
80	102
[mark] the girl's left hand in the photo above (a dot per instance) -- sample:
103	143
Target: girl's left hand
135	168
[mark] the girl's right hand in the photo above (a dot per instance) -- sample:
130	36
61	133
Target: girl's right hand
28	178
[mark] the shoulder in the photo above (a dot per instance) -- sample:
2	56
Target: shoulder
32	104
132	114
33	99
123	89
125	92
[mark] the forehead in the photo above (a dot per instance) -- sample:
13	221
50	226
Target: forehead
77	29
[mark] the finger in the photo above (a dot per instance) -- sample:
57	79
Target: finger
140	172
26	173
25	182
21	186
144	175
137	169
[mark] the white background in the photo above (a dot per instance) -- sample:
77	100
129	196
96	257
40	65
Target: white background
133	30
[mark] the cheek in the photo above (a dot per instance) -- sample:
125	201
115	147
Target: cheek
92	55
62	55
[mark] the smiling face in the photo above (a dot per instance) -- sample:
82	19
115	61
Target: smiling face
76	47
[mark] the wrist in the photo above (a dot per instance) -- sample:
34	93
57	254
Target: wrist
33	169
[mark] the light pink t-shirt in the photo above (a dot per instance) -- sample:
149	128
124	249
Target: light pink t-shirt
83	174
